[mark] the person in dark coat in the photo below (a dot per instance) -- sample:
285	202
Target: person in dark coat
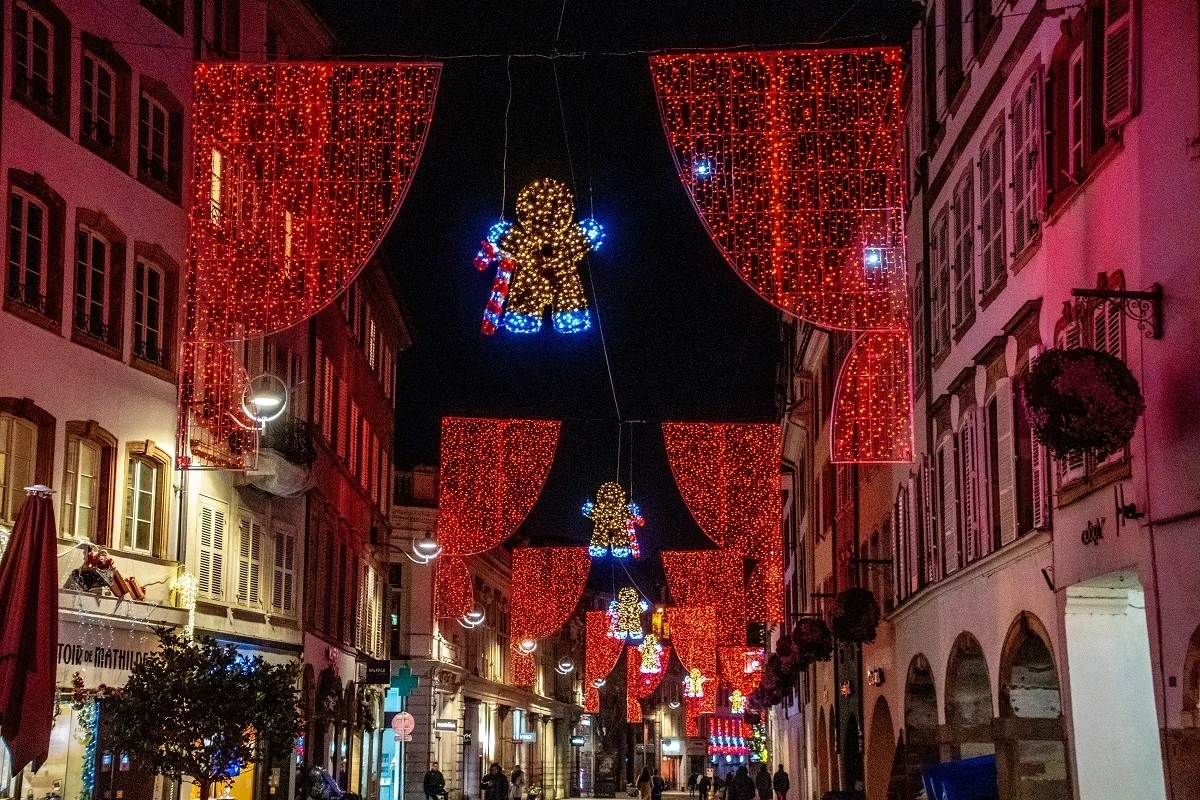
704	784
691	783
762	782
434	783
782	783
657	786
742	787
495	785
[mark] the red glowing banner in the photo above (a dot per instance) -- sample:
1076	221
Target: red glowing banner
492	471
728	475
872	407
547	583
299	169
694	636
640	685
602	652
741	667
794	162
710	578
523	668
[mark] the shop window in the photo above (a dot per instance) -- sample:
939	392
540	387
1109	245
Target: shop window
87	482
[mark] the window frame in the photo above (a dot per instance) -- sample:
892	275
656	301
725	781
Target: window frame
153	256
167	178
1028	204
90	246
12	496
149	453
993	226
52	103
24	65
18	291
962	254
941	287
89	433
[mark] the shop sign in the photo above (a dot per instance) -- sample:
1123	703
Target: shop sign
445	725
578	741
100	653
379	672
1094	532
403	725
528	736
671	747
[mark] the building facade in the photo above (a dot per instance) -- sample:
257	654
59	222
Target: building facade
1039	611
467	713
96	155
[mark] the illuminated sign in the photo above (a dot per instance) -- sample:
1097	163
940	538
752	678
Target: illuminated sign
672	747
528	736
577	741
445	725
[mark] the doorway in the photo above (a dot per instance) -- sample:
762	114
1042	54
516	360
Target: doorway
1117	748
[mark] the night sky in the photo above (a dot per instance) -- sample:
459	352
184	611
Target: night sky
686	338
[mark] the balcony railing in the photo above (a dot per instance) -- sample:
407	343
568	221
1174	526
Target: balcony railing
33	90
92	326
27	295
151	352
292	439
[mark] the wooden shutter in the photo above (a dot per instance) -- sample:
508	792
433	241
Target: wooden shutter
912	533
1040	493
211	562
283	584
249	560
930	534
1006	462
968	505
318	396
949	508
982	484
1120	84
1025	161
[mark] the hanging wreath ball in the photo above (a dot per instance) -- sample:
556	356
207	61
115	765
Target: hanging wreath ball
812	640
856	616
1081	401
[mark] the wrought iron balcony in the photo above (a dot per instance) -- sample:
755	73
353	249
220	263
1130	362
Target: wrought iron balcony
27	295
292	439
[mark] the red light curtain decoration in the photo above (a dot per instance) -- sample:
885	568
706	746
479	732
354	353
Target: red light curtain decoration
299	169
794	162
734	664
547	583
640	685
492	471
728	475
599	659
710	578
694	633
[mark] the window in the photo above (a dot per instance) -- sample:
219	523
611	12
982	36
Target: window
216	182
283	582
327	407
18	460
1027	135
142	485
930	551
28	270
169	11
844	475
81	488
249	580
953	38
1076	89
91	283
210	573
931	70
940	286
148	283
963	252
355	435
948	507
1074	467
152	139
1032	482
991	208
33	56
98	86
983	19
225	27
1120	51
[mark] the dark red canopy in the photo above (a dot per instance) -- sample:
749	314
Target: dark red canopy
29	632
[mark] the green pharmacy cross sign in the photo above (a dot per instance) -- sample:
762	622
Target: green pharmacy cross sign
404	681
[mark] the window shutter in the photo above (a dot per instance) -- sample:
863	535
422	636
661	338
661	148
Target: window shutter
283	582
981	484
929	535
1041	486
211	567
318	384
912	533
249	560
1006	461
968	505
1120	91
949	508
360	615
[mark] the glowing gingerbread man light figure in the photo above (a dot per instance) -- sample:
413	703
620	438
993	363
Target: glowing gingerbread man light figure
537	262
614	523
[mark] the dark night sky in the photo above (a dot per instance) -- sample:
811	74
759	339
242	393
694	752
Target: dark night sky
686	338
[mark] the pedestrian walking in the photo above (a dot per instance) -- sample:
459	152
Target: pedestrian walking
657	786
691	784
517	784
495	785
742	787
434	783
703	785
762	782
782	783
644	784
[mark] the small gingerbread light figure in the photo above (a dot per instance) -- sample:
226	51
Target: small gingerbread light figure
626	612
614	523
537	262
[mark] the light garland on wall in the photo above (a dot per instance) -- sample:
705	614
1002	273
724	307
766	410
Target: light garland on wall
601	654
728	475
614	523
547	583
794	162
492	471
626	612
640	685
537	262
710	578
299	168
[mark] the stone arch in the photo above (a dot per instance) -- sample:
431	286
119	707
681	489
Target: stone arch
968	700
1031	750
881	751
920	723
